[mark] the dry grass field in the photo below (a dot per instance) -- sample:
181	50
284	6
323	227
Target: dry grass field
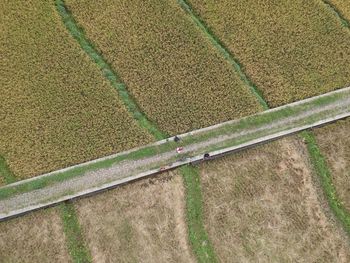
265	205
56	108
290	49
334	143
36	237
140	222
174	72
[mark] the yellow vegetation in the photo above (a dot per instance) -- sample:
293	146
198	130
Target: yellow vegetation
342	6
174	72
290	49
56	108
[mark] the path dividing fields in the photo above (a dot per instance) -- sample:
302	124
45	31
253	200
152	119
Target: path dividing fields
97	175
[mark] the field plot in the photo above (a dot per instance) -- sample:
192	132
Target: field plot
290	49
178	78
265	205
56	108
334	143
343	7
36	237
139	222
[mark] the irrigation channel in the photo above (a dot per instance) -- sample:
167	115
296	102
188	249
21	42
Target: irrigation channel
199	145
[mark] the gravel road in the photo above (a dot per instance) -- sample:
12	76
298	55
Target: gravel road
127	169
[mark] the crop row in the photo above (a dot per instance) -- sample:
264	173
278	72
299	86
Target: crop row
56	108
290	49
173	71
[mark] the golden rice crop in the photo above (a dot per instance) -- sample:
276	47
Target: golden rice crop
290	49
173	71
342	6
56	108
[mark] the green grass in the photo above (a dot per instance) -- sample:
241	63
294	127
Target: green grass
78	33
324	174
194	213
76	246
5	172
225	52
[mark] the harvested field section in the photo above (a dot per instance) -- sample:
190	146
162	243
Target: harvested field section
36	237
265	205
56	108
290	49
140	222
334	143
174	72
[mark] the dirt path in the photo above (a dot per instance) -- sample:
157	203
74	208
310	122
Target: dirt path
128	170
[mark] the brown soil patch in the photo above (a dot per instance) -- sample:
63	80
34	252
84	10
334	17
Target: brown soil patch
140	222
263	205
334	142
36	237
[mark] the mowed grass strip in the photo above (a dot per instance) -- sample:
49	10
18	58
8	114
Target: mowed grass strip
56	107
267	205
72	229
140	222
35	237
194	212
179	79
334	144
6	175
290	49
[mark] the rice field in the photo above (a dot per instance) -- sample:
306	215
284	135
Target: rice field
171	68
140	222
266	205
56	107
341	6
36	237
290	49
334	143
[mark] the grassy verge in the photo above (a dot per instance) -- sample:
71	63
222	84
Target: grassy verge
194	212
5	172
225	52
78	33
323	172
72	230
